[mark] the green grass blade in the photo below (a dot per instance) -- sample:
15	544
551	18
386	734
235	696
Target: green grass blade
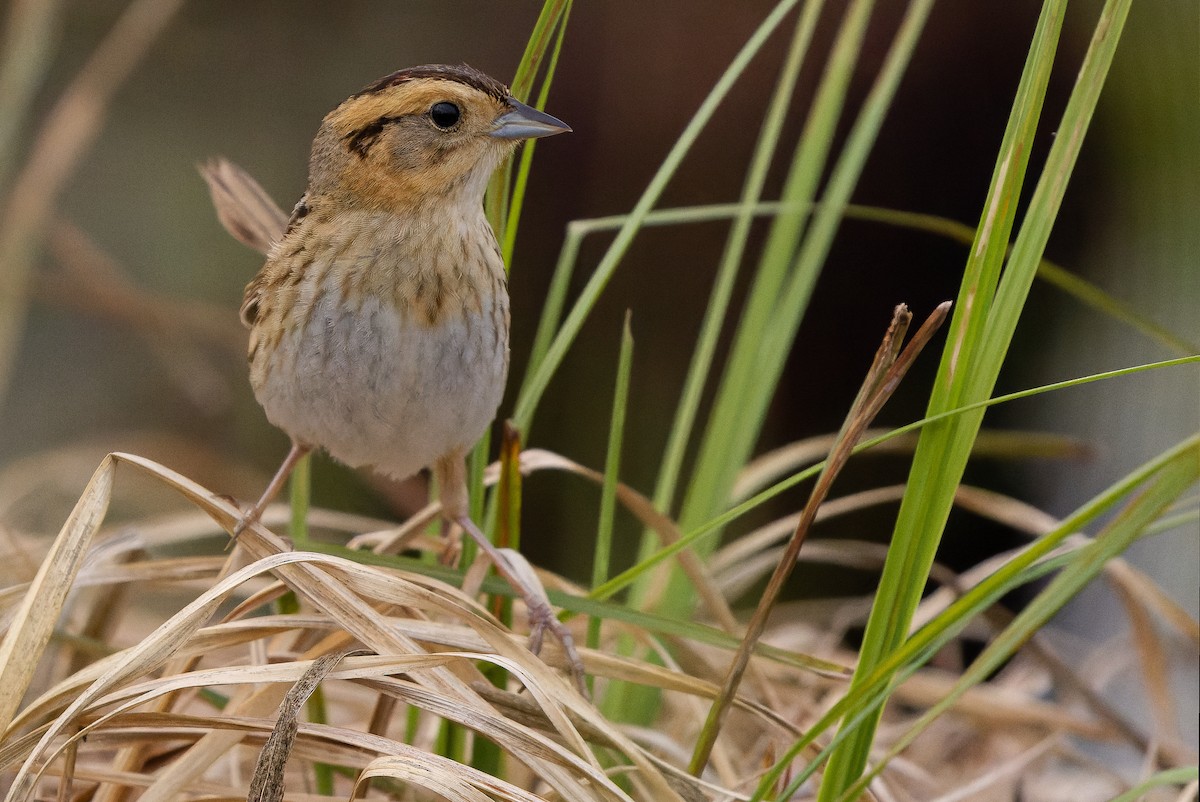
726	446
781	290
499	195
300	490
781	293
623	700
1117	536
870	692
553	16
602	556
536	380
1181	776
895	603
735	248
1047	198
1054	274
556	295
978	343
504	200
626	578
508	240
828	214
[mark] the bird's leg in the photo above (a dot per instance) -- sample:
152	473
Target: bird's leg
451	545
452	482
285	470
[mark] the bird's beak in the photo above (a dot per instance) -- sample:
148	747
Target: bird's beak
526	122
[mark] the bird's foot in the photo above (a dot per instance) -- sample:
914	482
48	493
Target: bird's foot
248	519
541	616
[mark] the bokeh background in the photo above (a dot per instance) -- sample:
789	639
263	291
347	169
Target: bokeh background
151	361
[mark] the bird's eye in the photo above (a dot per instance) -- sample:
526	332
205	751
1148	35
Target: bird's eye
445	115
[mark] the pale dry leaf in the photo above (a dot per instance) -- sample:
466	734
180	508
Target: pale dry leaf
35	618
143	657
453	781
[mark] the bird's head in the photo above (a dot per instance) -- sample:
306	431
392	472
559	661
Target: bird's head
424	135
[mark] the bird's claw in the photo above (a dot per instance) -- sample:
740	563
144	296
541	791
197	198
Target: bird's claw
542	618
243	523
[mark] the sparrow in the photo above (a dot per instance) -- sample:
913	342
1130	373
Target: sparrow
379	323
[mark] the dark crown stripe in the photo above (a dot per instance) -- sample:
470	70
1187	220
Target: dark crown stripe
461	73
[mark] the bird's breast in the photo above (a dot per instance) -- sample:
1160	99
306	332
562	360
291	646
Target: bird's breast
387	352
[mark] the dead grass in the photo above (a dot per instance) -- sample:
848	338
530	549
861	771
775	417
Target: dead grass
102	699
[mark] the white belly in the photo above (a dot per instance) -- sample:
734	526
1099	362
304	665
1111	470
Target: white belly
375	389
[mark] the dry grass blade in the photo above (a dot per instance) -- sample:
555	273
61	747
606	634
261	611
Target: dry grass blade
997	706
648	674
1005	770
339	743
773	465
35	619
547	687
142	658
741	563
451	781
1154	672
746	560
890	365
1142	588
243	206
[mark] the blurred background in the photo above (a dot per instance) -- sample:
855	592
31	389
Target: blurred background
125	335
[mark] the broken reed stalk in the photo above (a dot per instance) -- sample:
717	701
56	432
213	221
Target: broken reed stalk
884	376
267	782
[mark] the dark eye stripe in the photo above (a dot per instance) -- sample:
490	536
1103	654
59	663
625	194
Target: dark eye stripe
360	141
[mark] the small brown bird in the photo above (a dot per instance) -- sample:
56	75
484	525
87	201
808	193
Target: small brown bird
379	323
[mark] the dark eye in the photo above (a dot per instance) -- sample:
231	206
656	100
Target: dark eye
444	115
